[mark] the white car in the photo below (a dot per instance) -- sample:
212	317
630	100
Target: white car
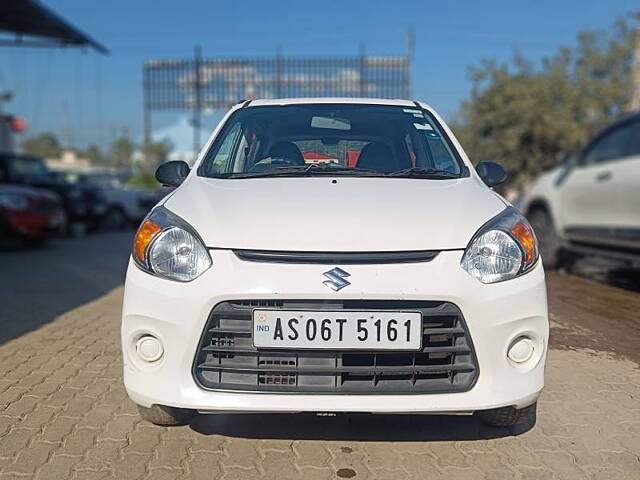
591	204
394	281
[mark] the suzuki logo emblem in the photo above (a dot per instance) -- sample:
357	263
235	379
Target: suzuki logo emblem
336	278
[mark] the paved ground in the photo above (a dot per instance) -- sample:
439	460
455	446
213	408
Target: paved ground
64	413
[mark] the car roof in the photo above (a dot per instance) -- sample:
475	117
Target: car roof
341	100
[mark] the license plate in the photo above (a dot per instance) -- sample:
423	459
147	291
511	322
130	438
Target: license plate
337	330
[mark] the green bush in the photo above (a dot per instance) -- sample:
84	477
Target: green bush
144	180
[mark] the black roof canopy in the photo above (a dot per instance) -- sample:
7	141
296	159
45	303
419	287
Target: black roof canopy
31	18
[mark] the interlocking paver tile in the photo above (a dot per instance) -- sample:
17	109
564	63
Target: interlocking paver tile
92	475
170	453
30	459
5	424
103	456
530	473
164	474
57	429
79	442
276	464
58	467
38	417
314	473
204	465
10	395
311	454
237	473
132	466
15	441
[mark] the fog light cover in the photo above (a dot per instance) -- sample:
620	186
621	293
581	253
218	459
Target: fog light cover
521	350
149	348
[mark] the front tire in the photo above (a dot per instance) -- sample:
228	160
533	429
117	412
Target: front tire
509	416
166	416
548	241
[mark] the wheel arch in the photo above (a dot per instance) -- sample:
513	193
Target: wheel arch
540	203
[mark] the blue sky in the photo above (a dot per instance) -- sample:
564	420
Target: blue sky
88	98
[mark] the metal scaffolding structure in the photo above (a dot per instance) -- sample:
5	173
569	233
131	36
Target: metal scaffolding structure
196	84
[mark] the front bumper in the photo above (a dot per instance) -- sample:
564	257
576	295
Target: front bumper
176	313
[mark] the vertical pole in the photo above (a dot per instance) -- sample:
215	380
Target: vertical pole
197	106
147	117
279	72
634	101
363	67
411	46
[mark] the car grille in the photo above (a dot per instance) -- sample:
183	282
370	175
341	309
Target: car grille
227	360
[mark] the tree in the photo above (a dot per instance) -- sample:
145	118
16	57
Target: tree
96	157
121	152
44	145
156	153
527	117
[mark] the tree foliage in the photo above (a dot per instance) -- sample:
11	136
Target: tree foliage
157	152
121	152
44	145
96	157
527	117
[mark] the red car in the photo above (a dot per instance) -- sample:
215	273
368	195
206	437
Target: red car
28	213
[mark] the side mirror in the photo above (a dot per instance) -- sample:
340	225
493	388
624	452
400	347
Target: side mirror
172	174
491	173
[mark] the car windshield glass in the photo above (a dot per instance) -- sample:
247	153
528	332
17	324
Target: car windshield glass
25	168
343	139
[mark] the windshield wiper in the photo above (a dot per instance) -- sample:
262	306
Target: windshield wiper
423	173
331	168
304	170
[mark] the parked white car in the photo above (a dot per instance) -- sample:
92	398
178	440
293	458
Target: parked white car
591	204
393	281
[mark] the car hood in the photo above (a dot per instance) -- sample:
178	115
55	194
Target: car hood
29	191
343	214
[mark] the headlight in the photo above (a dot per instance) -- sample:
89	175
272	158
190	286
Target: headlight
13	201
167	246
503	248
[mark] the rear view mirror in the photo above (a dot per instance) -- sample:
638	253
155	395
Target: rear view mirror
330	122
172	174
491	173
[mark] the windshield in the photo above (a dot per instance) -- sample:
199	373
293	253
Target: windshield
340	139
24	168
